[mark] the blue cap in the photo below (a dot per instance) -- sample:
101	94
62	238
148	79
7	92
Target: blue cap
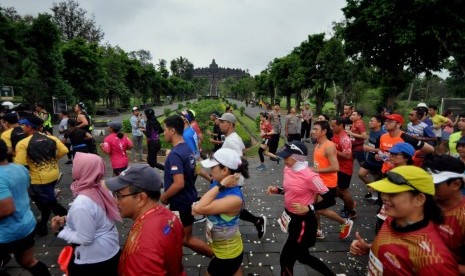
28	123
403	148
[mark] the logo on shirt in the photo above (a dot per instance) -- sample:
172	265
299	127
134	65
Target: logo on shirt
425	246
392	259
174	168
446	229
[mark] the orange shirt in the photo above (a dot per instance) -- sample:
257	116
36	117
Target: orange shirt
320	161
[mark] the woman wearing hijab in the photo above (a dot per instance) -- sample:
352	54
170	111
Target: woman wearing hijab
407	243
153	130
90	223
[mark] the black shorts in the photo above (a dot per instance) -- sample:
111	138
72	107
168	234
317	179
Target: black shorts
332	191
18	246
359	156
186	217
343	180
265	141
224	267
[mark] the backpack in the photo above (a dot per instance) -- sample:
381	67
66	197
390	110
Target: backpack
17	134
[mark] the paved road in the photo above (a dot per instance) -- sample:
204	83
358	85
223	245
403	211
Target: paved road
261	257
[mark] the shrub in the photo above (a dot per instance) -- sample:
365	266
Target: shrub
257	121
234	105
242	110
127	126
180	106
188	103
167	111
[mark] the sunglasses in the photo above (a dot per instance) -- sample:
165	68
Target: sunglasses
399	180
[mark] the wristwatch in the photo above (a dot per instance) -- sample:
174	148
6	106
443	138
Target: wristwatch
220	187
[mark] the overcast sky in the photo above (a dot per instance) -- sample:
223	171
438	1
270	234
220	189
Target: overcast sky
245	34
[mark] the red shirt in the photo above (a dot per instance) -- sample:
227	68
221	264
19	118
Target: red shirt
418	252
358	127
343	144
154	245
266	127
116	148
453	230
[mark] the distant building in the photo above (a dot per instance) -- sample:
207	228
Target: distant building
214	74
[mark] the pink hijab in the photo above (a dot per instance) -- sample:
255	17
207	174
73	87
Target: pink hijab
88	172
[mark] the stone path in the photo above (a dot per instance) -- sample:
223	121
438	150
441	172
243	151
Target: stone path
261	257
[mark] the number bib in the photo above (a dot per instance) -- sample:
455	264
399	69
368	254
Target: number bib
284	221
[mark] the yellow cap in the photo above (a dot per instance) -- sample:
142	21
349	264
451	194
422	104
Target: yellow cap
418	179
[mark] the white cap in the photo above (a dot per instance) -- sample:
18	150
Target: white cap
224	156
135	108
443	176
422	105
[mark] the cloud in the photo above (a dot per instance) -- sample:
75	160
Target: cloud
245	34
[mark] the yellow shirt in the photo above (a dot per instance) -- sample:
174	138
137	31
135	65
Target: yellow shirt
42	173
6	136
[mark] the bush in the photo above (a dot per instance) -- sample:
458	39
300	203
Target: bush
257	121
180	106
242	110
167	111
234	105
188	103
127	126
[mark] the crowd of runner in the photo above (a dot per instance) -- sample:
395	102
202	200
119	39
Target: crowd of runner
414	171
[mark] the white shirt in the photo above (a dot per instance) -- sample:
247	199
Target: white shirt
234	141
88	225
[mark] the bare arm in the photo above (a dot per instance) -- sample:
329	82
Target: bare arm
178	185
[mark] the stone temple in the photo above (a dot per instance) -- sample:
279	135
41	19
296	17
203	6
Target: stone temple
215	74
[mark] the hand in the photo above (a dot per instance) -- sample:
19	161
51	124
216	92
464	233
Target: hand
359	246
272	190
299	209
58	222
193	208
163	199
230	180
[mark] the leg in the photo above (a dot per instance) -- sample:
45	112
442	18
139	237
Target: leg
260	154
140	140
195	243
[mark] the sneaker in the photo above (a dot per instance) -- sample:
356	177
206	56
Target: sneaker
69	162
278	160
349	214
261	167
346	229
200	219
368	195
320	234
261	226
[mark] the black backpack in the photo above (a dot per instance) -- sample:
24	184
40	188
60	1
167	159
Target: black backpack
17	134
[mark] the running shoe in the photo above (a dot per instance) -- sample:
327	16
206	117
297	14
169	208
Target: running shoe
261	167
346	228
320	234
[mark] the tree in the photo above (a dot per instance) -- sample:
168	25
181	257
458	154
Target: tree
114	61
182	68
73	22
398	34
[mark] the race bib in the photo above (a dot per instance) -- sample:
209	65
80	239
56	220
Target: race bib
382	213
284	221
375	267
208	231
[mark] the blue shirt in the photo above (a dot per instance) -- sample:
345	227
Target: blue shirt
135	127
373	141
190	137
14	182
221	220
181	161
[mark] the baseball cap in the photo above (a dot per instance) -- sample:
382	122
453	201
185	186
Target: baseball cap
403	148
229	117
216	114
294	147
224	156
405	178
135	108
139	175
422	105
11	117
116	126
444	167
32	121
186	115
440	177
395	117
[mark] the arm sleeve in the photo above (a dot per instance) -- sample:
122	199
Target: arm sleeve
416	144
328	201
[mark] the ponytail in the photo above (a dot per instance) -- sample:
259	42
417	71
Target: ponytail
243	169
120	135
